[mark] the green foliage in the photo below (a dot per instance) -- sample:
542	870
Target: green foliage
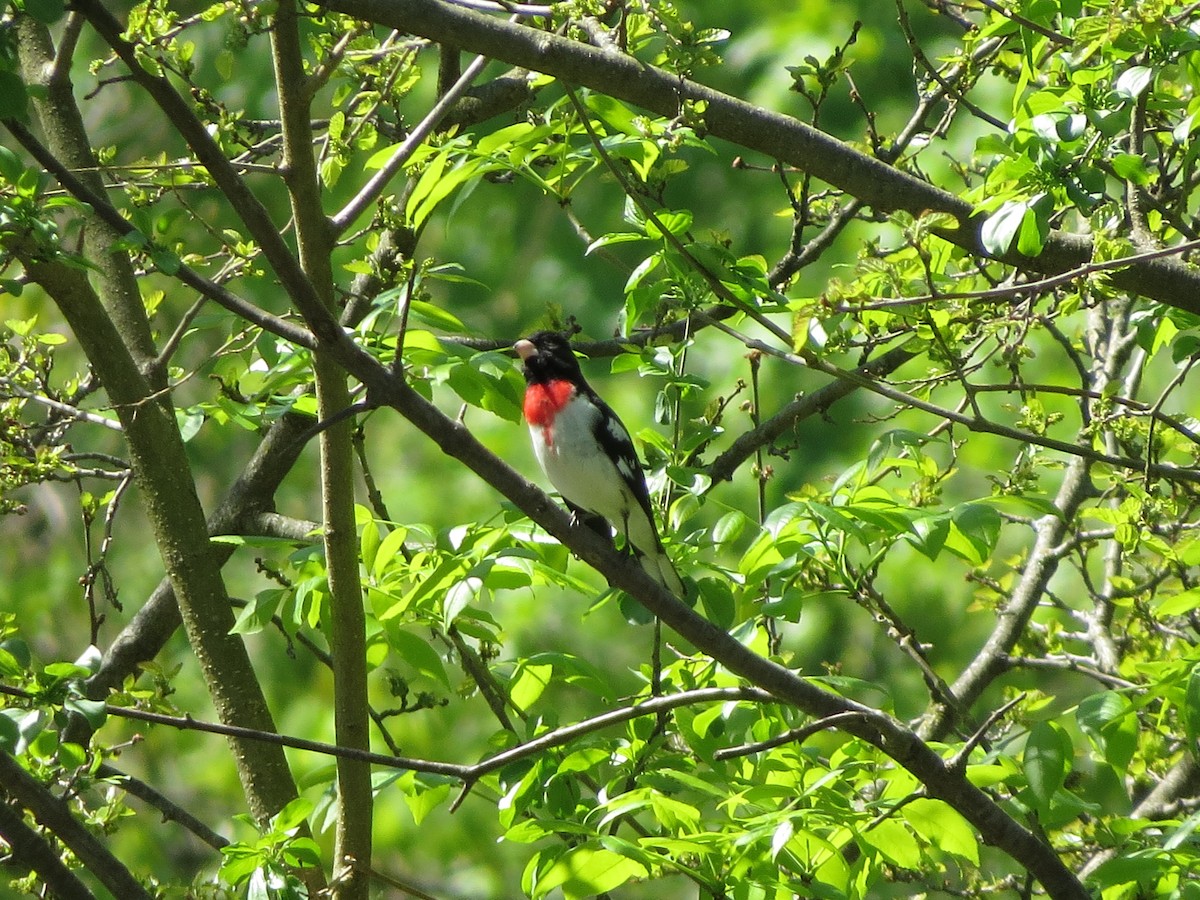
988	542
266	866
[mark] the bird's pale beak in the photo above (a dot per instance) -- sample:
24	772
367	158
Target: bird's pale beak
525	349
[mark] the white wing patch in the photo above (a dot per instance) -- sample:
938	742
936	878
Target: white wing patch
617	430
625	467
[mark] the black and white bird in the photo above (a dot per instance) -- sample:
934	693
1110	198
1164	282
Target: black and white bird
587	453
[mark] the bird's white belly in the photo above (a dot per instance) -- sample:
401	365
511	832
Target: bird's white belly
577	466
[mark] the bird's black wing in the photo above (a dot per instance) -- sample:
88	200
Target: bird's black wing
614	437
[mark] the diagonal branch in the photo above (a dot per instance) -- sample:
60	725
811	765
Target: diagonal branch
53	814
376	184
248	207
109	214
28	849
723	467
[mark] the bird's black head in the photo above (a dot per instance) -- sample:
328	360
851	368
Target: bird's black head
548	357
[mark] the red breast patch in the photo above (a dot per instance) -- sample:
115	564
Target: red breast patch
543	401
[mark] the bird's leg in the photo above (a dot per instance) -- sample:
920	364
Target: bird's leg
597	523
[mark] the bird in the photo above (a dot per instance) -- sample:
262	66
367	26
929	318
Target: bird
587	454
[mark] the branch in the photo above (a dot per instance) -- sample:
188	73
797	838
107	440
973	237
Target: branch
970	422
777	136
71	147
1044	558
315	240
28	848
467	773
792	735
54	815
252	212
11	388
158	618
1183	780
177	524
171	811
723	467
370	191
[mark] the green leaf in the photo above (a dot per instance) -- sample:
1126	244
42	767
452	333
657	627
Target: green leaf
898	438
1047	756
11	167
241	861
166	261
942	827
94	712
435	316
528	684
10	733
730	526
676	222
436	184
762	556
974	532
303	851
614	114
1097	712
1178	604
189	421
894	842
929	535
15	657
292	816
419	655
720	607
1001	228
1191	707
583	760
1133	81
14	99
46	11
257	614
616	237
461	595
423	793
587	871
1131	168
1035	228
389	549
64	670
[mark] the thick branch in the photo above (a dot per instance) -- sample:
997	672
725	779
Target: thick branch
171	811
158	617
69	144
107	213
315	240
252	212
801	408
1111	347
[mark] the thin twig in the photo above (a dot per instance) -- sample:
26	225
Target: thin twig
6	384
370	191
467	773
794	735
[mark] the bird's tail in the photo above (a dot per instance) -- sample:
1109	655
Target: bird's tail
659	567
